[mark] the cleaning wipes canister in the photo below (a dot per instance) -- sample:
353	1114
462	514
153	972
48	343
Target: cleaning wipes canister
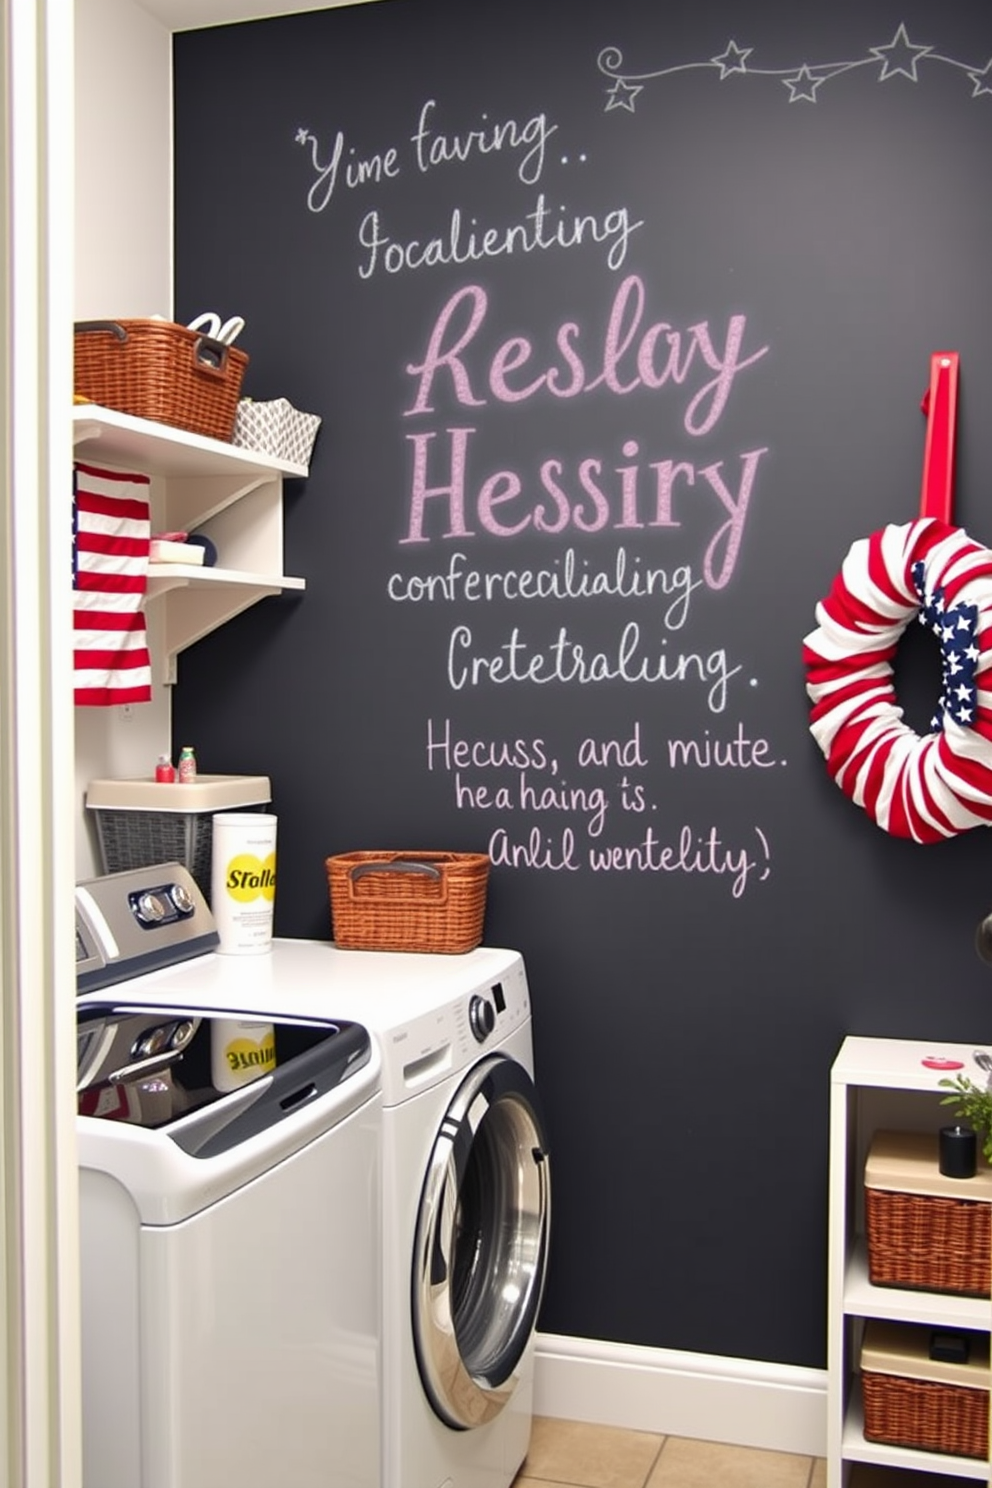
243	881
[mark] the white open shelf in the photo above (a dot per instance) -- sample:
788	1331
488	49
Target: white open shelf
935	1309
883	1085
231	495
161	450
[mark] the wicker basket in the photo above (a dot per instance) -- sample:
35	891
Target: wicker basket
154	369
913	1401
408	901
937	1238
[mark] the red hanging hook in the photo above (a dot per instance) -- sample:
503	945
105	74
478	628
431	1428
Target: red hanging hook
940	404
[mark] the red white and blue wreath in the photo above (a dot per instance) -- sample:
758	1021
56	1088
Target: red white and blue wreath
934	786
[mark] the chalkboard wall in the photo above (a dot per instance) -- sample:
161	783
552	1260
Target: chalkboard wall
618	318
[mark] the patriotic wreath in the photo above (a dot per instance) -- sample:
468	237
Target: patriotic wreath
925	788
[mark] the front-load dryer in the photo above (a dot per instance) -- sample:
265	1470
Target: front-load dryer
466	1213
465	1193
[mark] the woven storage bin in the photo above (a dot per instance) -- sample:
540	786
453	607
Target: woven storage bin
154	369
911	1400
134	833
925	1231
408	901
138	839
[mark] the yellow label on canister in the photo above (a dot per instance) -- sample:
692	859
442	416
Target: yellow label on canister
242	1049
243	1056
249	878
243	881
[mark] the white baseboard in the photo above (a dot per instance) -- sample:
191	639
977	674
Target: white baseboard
780	1407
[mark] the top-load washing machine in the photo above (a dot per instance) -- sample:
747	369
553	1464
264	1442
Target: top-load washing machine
465	1196
230	1239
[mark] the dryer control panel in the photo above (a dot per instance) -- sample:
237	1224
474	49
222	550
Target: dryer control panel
450	1038
494	1010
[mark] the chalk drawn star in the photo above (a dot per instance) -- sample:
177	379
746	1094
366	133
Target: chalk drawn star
900	57
302	135
622	95
734	59
982	79
803	85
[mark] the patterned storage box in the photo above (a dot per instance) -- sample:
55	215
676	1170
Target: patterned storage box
276	428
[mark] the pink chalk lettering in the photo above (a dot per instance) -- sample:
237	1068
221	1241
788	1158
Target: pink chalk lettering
629	358
733	529
667	472
549	473
726	368
497	491
453	492
435	358
511	355
619	337
585	497
563	341
599	514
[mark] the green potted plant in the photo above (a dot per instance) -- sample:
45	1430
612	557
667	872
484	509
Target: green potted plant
974	1105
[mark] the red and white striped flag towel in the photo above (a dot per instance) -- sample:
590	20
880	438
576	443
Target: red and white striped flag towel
111	535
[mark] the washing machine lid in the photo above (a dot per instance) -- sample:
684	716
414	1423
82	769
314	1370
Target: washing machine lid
152	1118
121	1047
481	1247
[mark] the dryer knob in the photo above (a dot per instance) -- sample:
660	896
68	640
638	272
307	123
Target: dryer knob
481	1018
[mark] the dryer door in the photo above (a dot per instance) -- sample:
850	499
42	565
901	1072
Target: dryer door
481	1245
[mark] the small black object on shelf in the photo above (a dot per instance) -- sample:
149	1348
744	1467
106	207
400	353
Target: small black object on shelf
950	1348
958	1152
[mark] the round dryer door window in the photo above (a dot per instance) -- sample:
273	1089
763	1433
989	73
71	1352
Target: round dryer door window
481	1246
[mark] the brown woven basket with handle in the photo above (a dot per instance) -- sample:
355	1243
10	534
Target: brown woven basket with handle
155	369
408	901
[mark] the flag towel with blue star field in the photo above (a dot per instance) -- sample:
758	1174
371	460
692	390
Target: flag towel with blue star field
956	629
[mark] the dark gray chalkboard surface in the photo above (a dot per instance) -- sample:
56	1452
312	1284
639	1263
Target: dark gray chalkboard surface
617	317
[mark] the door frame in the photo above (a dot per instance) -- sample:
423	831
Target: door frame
39	1290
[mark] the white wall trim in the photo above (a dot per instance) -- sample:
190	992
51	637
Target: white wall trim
122	151
39	1264
780	1407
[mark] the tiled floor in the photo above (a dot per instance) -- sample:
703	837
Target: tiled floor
571	1454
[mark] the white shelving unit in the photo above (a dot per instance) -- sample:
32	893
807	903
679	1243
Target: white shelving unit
881	1084
231	495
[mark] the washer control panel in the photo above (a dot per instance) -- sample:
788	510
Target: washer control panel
137	921
163	904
